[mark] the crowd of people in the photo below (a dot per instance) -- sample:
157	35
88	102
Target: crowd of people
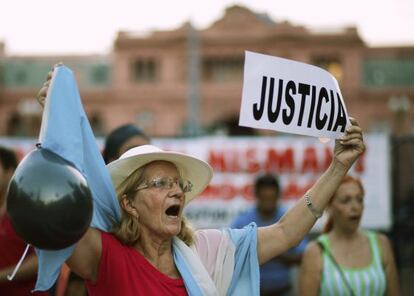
153	250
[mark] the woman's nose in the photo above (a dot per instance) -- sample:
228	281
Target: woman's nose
176	190
356	205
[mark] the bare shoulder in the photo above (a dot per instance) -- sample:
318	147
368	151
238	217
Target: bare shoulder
87	254
310	270
93	241
312	255
93	235
385	246
388	262
383	239
313	249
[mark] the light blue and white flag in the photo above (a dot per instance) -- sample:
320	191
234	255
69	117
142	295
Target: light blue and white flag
66	131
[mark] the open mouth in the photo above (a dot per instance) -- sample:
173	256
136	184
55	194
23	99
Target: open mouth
355	218
173	211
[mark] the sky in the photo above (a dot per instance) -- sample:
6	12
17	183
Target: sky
44	27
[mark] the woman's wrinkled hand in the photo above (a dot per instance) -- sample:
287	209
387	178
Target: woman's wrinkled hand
349	147
41	95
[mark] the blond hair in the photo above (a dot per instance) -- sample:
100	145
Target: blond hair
127	229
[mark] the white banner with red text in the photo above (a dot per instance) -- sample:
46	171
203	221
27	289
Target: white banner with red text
297	161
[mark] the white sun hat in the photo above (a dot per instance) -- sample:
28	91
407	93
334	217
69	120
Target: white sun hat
197	171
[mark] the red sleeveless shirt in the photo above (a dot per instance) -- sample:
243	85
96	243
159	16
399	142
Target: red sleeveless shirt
124	271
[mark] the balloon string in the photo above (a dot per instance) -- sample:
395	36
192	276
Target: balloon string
10	277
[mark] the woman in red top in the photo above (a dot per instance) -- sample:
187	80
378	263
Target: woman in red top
152	187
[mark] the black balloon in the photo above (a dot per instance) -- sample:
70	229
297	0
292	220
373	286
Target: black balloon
48	201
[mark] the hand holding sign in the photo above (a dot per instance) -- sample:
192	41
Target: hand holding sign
289	96
293	97
349	147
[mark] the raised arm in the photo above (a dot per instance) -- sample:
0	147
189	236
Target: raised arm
85	259
297	222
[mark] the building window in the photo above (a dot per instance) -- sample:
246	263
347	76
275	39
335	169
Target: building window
21	77
145	119
21	125
144	70
223	69
229	126
330	64
15	125
97	125
2	75
100	75
383	73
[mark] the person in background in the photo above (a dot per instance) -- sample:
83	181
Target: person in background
275	275
347	260
11	245
122	139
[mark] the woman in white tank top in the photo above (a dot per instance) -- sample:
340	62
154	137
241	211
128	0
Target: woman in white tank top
346	260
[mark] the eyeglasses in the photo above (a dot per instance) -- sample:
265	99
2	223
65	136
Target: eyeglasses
167	183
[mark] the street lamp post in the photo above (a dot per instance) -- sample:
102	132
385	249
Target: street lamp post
192	127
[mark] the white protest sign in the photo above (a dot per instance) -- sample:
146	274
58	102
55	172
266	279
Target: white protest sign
291	97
